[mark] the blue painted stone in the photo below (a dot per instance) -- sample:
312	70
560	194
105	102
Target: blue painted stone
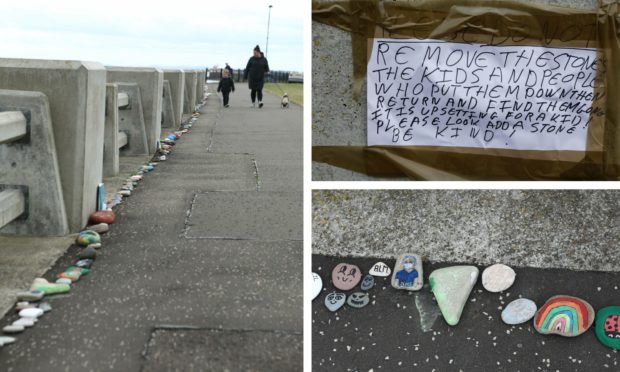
368	282
519	311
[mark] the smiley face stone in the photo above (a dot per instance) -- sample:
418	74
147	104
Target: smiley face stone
346	276
335	300
358	300
367	283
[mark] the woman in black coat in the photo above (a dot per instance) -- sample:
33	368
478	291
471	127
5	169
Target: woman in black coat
255	74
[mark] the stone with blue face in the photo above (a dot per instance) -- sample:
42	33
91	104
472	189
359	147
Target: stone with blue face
335	301
358	300
367	283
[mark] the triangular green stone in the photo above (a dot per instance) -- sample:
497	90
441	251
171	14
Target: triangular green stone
451	287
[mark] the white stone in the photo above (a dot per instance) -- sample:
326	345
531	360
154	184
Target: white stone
99	228
25	322
380	269
5	340
317	285
498	277
13	329
31	313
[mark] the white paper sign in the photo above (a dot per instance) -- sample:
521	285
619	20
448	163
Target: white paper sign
436	93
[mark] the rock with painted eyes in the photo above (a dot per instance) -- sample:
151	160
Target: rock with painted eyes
358	300
367	283
335	300
608	326
346	276
317	285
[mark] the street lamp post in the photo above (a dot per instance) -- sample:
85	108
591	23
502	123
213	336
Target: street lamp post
268	22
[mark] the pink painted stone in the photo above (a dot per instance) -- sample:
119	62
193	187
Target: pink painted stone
346	276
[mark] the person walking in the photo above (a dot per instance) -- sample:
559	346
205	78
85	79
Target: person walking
225	86
255	74
230	70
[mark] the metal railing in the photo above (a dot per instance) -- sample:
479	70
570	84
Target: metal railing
271	77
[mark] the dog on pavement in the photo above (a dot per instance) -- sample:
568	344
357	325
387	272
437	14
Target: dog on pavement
284	102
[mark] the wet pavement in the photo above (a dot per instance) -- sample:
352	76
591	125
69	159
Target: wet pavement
185	280
404	331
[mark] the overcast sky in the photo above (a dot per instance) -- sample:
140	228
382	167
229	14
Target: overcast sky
184	33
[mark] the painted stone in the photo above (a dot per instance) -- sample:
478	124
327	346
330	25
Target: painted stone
88	253
13	329
5	340
30	296
48	288
317	285
83	271
85	263
95	245
46	307
367	283
124	193
408	272
346	276
102	217
380	269
607	326
23	305
498	278
358	299
136	177
87	237
25	322
64	281
565	316
519	311
73	276
99	228
451	287
31	313
335	300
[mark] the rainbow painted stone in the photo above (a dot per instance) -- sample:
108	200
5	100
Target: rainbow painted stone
607	326
87	237
565	316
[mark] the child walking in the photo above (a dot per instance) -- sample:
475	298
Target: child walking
225	86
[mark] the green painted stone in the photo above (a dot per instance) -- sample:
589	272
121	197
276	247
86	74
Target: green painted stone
451	287
88	237
40	284
83	271
607	326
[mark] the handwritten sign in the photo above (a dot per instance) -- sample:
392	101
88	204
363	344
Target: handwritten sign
436	93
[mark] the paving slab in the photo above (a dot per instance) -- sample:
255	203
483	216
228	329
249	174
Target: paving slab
209	350
261	216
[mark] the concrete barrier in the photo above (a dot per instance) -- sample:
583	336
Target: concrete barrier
132	127
31	194
151	81
167	112
191	81
200	86
110	137
76	94
177	91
